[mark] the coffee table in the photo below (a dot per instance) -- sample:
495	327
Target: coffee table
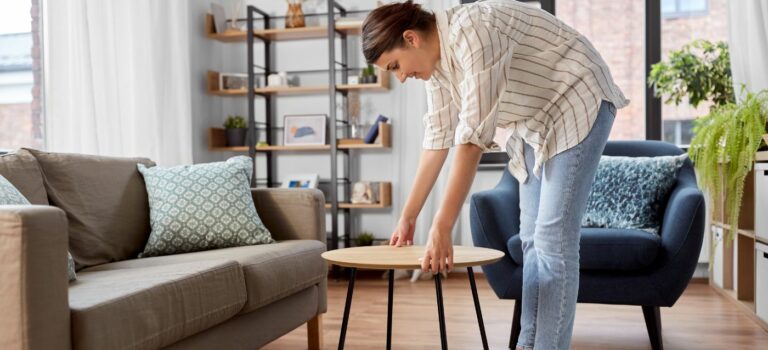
407	257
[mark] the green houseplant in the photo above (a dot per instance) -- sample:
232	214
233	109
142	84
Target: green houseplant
726	139
700	71
365	238
236	129
368	75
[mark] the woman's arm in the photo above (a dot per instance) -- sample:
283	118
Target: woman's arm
430	163
439	253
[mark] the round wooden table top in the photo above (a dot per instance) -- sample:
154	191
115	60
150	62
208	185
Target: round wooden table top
385	257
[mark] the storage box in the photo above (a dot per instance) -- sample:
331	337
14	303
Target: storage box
761	281
761	201
717	263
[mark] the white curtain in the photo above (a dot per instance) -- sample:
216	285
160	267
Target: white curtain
118	78
748	36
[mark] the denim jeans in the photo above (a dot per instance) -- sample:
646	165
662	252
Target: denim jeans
551	209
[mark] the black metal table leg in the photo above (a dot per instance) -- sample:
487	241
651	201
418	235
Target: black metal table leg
350	289
477	307
389	308
441	311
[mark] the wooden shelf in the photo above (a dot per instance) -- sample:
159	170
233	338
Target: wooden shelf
746	233
217	141
349	27
213	87
385	199
292	90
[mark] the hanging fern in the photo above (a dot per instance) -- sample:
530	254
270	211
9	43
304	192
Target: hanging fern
723	150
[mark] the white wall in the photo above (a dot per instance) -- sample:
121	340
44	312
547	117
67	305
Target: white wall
373	165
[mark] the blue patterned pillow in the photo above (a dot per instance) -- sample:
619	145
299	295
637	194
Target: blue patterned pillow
628	192
9	195
200	207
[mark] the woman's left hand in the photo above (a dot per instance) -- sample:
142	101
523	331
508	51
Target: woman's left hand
438	256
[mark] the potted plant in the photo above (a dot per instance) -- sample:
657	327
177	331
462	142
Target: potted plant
726	139
368	75
365	238
236	130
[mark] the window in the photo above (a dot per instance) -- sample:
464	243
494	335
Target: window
617	30
683	8
20	75
712	25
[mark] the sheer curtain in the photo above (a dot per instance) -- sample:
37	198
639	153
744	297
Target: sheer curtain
118	78
748	36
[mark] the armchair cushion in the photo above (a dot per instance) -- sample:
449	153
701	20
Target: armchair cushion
629	192
607	249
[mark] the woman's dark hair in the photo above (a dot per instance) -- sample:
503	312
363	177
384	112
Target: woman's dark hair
383	28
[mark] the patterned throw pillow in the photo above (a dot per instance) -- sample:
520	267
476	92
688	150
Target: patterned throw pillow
9	195
200	207
628	192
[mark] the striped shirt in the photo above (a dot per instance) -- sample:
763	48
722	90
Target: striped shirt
509	65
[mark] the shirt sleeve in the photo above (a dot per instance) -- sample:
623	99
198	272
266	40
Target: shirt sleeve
482	53
441	118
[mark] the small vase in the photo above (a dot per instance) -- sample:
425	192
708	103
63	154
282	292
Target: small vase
236	137
295	16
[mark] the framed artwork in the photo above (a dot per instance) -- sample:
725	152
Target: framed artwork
301	181
305	129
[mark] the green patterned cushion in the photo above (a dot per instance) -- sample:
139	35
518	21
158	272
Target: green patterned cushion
9	195
629	192
200	207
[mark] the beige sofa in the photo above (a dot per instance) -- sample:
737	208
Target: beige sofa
96	207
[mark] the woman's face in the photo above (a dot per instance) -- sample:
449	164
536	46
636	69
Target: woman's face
416	59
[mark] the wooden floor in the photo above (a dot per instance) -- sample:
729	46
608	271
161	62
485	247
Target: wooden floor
701	319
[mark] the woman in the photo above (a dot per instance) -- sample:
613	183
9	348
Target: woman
504	64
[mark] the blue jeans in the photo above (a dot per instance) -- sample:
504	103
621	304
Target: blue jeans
551	209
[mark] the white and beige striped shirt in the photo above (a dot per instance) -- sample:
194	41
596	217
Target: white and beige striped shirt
509	65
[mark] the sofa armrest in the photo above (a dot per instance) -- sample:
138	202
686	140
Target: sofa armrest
291	213
33	278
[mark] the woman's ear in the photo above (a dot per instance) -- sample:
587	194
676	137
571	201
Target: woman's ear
412	38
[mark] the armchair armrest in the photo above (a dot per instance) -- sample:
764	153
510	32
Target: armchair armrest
682	234
33	278
291	213
683	222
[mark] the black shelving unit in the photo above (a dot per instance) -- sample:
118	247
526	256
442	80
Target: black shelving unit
335	66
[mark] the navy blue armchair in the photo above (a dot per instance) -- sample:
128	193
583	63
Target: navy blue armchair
627	267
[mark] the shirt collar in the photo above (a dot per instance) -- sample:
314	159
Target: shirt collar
443	31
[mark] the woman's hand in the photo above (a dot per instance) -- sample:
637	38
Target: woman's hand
438	256
403	234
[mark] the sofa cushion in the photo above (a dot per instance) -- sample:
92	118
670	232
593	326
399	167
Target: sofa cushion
105	201
22	170
629	192
202	206
607	249
152	307
272	271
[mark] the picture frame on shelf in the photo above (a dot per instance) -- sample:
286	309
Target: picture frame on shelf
365	192
301	181
305	129
219	17
233	81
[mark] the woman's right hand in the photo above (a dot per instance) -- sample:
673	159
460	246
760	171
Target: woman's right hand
403	234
